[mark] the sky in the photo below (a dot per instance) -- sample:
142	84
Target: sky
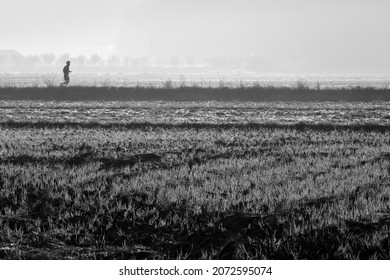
288	34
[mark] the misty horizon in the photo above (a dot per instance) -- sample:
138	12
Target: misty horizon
273	36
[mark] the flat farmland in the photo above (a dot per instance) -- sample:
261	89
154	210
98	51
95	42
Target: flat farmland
194	180
196	112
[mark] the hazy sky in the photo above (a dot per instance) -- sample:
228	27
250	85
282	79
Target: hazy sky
325	34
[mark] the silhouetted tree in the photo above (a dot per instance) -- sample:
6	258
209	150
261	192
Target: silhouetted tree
113	60
48	58
33	60
140	61
79	60
94	59
62	59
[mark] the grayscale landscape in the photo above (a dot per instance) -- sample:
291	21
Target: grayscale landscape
195	130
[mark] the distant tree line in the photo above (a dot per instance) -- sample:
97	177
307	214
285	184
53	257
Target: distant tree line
13	58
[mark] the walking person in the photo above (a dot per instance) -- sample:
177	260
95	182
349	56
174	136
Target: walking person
66	73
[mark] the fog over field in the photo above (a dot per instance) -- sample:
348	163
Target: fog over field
195	130
301	35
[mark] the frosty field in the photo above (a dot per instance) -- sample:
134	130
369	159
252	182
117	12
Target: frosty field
354	114
194	180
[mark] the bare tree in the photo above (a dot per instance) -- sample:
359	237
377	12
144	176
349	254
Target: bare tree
33	60
94	59
113	60
48	58
62	59
79	60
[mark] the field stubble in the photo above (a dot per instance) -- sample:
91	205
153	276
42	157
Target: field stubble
206	112
84	181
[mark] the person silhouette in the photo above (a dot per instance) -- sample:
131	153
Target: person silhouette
66	73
